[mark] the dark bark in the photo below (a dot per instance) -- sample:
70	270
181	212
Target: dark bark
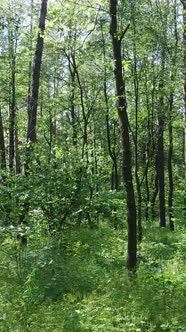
161	177
12	98
84	113
136	82
184	89
147	196
123	116
170	127
17	156
2	144
170	172
160	145
185	140
149	155
30	48
33	99
155	192
138	185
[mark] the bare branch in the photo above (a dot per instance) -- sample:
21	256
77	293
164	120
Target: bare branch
124	32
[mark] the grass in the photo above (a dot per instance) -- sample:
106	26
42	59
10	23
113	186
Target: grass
78	282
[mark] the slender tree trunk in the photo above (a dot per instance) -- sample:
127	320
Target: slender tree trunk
2	144
184	89
170	173
30	49
161	177
136	82
123	116
155	192
170	127
160	146
84	113
33	99
149	145
17	156
147	196
185	138
72	103
12	96
138	186
148	156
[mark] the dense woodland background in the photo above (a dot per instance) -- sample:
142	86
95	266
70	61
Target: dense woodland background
93	165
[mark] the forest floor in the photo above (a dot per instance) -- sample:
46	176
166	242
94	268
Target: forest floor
78	282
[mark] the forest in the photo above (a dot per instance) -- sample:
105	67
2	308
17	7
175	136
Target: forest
93	166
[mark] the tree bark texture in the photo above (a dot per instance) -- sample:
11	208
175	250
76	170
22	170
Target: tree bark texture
12	97
184	88
72	102
160	145
170	125
161	177
2	144
33	99
17	155
123	116
170	172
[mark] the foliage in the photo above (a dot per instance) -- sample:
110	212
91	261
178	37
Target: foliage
79	282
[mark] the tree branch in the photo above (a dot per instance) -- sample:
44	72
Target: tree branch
125	31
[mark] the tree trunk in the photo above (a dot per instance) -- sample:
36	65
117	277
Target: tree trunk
72	103
184	88
138	185
33	99
136	82
149	145
160	146
155	192
12	96
123	116
2	144
17	155
170	173
30	48
161	177
170	127
84	114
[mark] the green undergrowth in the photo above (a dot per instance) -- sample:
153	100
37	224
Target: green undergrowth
78	282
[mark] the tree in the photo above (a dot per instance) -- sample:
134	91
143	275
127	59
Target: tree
33	99
160	145
12	96
170	117
117	38
184	86
2	144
